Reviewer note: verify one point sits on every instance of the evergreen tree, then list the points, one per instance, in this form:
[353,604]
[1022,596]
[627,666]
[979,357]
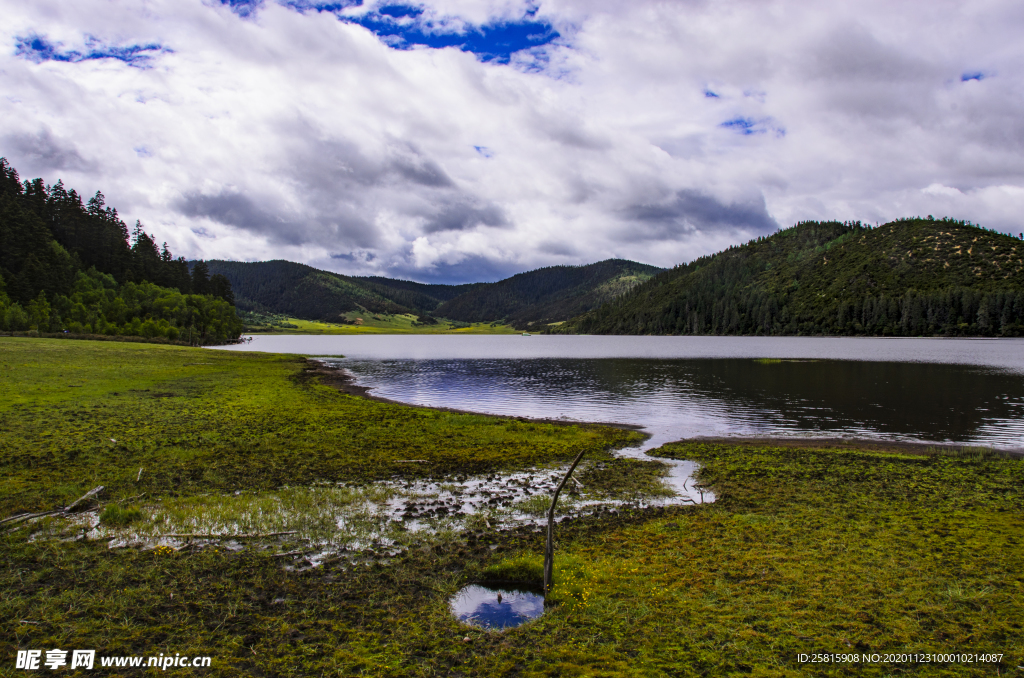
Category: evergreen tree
[200,278]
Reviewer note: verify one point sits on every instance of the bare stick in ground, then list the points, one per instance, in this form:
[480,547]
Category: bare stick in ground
[88,495]
[67,509]
[226,536]
[549,549]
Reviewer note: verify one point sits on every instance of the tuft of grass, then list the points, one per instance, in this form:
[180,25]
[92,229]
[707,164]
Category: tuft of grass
[520,569]
[537,505]
[120,516]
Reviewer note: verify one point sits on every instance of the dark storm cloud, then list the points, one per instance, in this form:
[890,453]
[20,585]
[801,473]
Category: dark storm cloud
[690,210]
[461,216]
[232,208]
[42,153]
[423,172]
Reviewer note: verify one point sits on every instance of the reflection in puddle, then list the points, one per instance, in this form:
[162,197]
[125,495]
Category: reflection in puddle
[496,608]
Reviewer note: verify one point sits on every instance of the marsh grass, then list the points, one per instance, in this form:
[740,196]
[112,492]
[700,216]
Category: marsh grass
[537,505]
[804,550]
[523,568]
[173,421]
[118,516]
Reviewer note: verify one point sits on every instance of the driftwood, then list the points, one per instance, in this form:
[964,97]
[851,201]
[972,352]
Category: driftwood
[549,550]
[225,536]
[88,495]
[27,516]
[291,553]
[67,509]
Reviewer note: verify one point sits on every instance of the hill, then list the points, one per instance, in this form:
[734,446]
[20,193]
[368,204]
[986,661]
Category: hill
[301,291]
[911,277]
[414,295]
[550,294]
[71,266]
[547,295]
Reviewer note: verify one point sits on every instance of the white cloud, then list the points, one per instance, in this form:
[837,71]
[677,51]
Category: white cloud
[296,135]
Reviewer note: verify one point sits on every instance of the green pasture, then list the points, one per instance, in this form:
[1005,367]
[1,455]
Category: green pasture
[805,550]
[78,414]
[379,323]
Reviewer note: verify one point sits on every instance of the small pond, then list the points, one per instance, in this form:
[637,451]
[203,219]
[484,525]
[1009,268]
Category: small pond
[496,607]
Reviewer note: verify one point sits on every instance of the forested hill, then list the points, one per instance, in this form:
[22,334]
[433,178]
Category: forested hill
[547,295]
[420,296]
[69,265]
[912,277]
[305,292]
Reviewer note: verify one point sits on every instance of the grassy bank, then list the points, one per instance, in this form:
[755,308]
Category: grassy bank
[805,550]
[79,414]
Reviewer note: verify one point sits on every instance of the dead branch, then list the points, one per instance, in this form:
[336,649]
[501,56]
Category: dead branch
[291,553]
[88,495]
[549,550]
[67,509]
[27,516]
[226,536]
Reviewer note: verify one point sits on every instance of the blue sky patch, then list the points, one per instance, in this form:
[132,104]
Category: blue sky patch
[484,151]
[310,5]
[711,95]
[749,126]
[243,7]
[742,125]
[400,11]
[38,49]
[403,27]
[976,75]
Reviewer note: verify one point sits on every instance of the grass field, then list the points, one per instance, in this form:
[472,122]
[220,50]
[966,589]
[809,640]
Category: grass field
[370,323]
[805,550]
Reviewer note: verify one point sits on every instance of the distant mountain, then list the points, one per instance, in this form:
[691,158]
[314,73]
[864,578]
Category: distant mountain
[414,295]
[910,277]
[547,295]
[300,291]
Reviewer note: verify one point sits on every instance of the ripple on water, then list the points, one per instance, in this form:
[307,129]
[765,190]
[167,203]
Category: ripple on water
[496,608]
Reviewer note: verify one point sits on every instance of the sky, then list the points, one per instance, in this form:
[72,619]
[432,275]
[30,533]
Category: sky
[469,140]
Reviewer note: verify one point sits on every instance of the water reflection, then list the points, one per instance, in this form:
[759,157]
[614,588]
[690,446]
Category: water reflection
[676,399]
[496,608]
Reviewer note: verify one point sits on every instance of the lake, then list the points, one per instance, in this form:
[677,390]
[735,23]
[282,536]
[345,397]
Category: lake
[964,391]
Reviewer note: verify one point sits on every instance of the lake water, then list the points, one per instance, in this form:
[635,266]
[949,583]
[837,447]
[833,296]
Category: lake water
[965,391]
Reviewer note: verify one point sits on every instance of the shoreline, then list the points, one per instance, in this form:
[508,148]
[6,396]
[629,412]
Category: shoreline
[344,381]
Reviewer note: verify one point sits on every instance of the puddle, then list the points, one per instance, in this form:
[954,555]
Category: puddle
[496,608]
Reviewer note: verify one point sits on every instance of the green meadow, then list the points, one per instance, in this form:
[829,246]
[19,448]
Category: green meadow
[805,550]
[372,323]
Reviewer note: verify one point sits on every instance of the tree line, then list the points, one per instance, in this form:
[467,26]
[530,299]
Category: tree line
[72,265]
